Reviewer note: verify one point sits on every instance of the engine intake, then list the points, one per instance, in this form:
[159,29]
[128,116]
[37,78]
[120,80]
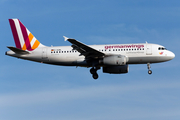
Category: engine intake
[116,69]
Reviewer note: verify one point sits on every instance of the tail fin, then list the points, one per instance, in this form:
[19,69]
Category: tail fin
[23,38]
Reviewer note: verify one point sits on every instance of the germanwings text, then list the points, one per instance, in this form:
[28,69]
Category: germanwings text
[123,46]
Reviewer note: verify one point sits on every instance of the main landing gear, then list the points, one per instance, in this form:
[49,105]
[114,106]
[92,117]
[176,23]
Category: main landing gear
[93,71]
[149,71]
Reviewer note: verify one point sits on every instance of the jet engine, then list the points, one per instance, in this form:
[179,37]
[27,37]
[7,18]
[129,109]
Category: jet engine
[115,60]
[116,69]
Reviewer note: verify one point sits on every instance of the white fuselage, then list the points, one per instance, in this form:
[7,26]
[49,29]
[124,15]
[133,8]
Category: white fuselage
[65,55]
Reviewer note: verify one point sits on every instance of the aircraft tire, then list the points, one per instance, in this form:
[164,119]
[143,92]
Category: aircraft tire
[149,72]
[95,76]
[93,71]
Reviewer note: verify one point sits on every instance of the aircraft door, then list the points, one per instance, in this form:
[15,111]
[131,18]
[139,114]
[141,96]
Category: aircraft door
[148,49]
[44,53]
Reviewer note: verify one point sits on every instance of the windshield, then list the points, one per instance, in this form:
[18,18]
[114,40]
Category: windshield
[162,48]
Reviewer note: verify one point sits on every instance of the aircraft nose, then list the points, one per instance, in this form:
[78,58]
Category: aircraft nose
[171,55]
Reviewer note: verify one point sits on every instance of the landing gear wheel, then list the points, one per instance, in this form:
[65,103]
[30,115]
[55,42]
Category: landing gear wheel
[95,76]
[149,72]
[93,71]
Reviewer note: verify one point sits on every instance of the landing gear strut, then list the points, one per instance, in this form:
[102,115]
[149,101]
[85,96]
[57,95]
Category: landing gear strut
[149,71]
[93,71]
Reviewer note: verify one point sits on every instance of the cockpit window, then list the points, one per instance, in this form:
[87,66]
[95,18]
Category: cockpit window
[162,48]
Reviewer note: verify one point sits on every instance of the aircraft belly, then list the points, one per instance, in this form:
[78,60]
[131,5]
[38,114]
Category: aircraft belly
[142,60]
[146,59]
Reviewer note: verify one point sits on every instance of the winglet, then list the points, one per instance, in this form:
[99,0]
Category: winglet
[65,38]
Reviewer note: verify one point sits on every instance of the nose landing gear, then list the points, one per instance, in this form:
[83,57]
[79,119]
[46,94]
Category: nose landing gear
[93,71]
[149,71]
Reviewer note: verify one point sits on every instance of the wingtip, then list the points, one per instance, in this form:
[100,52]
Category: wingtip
[65,38]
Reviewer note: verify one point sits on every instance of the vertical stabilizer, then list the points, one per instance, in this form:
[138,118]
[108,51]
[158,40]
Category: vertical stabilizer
[23,38]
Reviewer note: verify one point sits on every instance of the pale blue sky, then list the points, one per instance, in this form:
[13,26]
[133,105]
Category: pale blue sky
[34,91]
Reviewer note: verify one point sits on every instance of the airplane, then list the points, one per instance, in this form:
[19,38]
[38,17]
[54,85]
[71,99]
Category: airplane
[112,58]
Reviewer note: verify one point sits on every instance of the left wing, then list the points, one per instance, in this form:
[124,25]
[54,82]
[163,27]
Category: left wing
[85,50]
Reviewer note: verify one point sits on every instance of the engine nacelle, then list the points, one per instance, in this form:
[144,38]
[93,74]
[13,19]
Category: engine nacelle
[115,60]
[116,69]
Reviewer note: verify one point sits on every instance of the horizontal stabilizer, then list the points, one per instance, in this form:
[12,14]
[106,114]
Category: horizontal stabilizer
[17,50]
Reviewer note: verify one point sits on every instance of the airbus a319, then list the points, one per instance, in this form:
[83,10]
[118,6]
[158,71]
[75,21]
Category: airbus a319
[113,58]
